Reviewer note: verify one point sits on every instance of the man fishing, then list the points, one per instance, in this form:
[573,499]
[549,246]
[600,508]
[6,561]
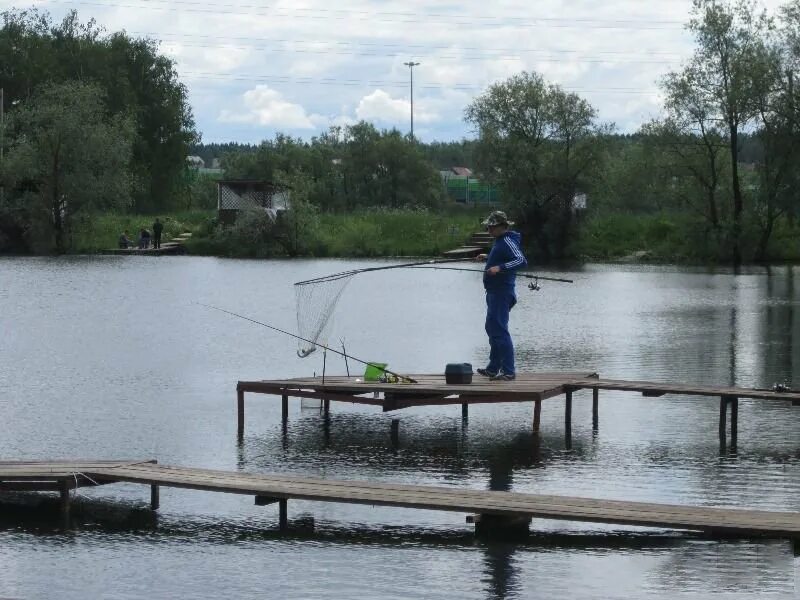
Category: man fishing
[499,278]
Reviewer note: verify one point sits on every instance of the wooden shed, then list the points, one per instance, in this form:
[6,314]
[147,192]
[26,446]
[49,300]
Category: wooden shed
[234,195]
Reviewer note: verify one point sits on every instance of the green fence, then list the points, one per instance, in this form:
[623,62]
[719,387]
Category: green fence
[471,190]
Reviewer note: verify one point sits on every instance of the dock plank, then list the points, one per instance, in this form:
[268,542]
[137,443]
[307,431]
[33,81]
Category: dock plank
[526,387]
[621,512]
[711,519]
[686,389]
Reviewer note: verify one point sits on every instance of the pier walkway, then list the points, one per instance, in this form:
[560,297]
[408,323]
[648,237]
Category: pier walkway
[527,387]
[497,510]
[174,246]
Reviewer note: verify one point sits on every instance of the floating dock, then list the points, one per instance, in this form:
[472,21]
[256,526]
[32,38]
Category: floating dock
[527,387]
[494,510]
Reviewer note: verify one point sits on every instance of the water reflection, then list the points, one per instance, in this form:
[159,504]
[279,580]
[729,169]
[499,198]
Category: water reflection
[501,575]
[154,376]
[431,447]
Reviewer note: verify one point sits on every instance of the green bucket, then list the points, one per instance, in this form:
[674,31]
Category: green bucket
[374,371]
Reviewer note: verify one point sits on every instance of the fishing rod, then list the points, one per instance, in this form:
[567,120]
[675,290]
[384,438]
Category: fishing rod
[344,274]
[405,378]
[542,277]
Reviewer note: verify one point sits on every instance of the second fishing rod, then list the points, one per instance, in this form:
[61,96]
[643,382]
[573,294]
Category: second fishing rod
[400,378]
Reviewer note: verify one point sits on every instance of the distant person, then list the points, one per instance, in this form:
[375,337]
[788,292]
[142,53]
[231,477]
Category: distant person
[144,239]
[499,278]
[125,241]
[158,227]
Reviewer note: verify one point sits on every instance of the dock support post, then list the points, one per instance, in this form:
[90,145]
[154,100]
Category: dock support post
[240,414]
[734,401]
[595,409]
[568,418]
[326,408]
[63,489]
[395,433]
[155,501]
[284,410]
[723,415]
[464,411]
[500,527]
[537,415]
[283,518]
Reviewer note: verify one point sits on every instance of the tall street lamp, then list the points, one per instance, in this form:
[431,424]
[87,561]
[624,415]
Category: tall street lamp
[411,66]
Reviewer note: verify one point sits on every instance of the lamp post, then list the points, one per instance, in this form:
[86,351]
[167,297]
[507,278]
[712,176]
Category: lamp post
[411,66]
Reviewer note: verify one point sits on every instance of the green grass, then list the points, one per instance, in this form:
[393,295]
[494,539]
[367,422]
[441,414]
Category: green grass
[367,233]
[393,233]
[664,237]
[675,238]
[102,231]
[380,232]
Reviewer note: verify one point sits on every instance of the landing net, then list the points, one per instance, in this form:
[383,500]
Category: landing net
[315,301]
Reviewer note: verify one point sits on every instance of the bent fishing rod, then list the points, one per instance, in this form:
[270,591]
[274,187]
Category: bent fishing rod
[528,275]
[405,378]
[343,274]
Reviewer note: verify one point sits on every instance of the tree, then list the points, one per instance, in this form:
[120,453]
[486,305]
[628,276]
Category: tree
[136,80]
[66,159]
[538,143]
[404,177]
[777,106]
[695,138]
[716,91]
[777,177]
[691,164]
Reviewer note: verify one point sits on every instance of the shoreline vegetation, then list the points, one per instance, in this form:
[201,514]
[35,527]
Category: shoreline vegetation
[713,178]
[397,233]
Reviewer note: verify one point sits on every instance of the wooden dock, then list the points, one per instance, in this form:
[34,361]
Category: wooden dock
[495,509]
[479,242]
[172,247]
[527,387]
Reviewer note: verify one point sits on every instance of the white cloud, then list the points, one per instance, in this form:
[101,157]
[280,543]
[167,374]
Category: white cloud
[303,65]
[381,107]
[266,106]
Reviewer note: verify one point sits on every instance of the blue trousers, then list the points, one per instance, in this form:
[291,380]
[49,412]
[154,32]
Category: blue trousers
[501,355]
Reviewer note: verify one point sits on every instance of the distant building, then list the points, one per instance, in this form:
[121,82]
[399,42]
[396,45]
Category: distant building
[195,162]
[462,171]
[579,201]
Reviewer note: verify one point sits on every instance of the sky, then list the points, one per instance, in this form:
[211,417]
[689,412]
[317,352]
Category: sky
[253,69]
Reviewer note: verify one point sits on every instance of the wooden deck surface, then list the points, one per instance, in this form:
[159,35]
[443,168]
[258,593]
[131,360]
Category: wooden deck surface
[728,521]
[526,387]
[656,388]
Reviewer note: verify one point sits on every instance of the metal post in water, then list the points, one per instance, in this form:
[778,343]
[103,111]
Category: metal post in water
[324,361]
[240,414]
[344,353]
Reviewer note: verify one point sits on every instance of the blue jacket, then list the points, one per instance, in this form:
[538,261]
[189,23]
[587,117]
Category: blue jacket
[507,254]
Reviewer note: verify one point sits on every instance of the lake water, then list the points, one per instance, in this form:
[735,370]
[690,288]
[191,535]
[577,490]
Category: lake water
[110,357]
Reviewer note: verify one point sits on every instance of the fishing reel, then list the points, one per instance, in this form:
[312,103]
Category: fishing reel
[534,285]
